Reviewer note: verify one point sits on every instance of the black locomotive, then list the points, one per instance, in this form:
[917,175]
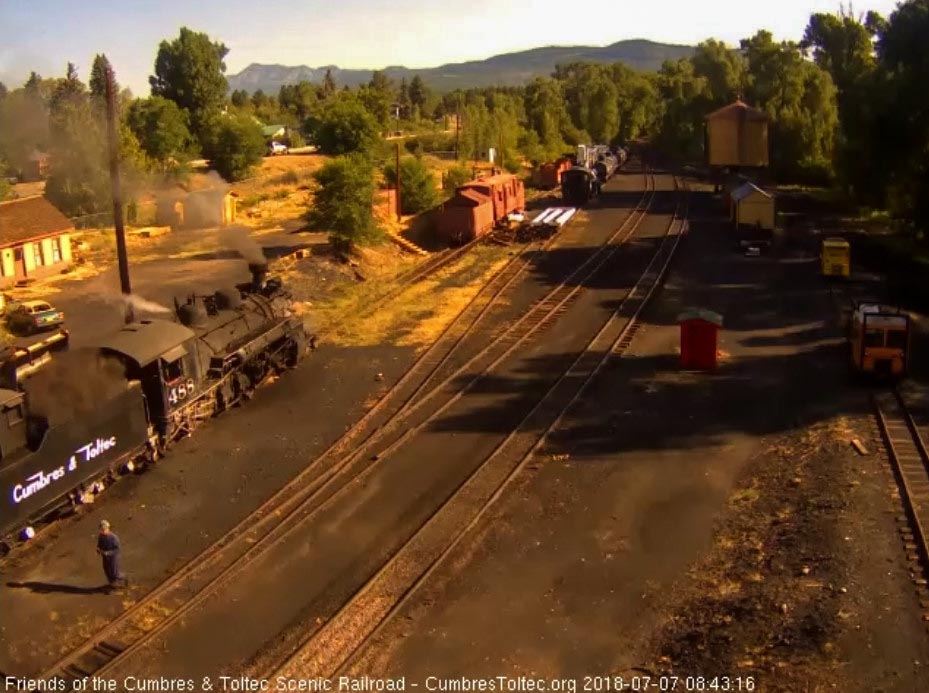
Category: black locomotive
[142,388]
[579,184]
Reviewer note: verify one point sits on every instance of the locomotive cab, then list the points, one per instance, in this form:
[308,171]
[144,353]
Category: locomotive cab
[162,356]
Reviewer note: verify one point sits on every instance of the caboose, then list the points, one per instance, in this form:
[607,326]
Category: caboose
[480,205]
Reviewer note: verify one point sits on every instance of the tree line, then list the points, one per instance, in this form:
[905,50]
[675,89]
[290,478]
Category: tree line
[847,103]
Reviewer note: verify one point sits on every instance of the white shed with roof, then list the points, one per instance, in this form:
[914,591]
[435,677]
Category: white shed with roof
[752,206]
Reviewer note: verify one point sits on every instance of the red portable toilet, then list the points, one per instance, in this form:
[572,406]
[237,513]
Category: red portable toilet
[699,338]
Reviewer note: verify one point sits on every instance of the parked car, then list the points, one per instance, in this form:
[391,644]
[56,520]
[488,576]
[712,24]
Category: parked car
[32,316]
[277,148]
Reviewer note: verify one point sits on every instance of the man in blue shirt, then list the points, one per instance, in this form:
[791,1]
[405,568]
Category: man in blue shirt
[108,547]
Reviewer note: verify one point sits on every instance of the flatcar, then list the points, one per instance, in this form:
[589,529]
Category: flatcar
[879,341]
[135,393]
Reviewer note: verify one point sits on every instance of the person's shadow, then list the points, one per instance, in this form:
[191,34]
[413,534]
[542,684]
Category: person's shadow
[49,587]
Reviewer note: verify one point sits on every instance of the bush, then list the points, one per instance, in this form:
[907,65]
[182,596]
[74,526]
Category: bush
[417,185]
[233,146]
[343,202]
[455,177]
[289,178]
[344,127]
[414,146]
[512,164]
[294,140]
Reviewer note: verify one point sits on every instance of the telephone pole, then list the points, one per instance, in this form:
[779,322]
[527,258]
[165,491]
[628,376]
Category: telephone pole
[457,128]
[399,213]
[113,144]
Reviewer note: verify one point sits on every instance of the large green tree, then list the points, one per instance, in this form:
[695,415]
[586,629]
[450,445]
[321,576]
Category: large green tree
[417,185]
[800,97]
[419,94]
[343,201]
[344,126]
[844,47]
[190,71]
[300,99]
[234,145]
[79,181]
[903,122]
[161,128]
[98,72]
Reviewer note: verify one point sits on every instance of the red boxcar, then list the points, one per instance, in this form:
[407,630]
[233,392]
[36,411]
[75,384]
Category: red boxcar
[477,206]
[550,173]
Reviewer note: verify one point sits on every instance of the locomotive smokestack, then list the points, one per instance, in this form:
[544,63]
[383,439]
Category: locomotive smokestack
[259,273]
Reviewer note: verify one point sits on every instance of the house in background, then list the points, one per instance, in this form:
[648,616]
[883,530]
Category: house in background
[35,240]
[273,132]
[198,209]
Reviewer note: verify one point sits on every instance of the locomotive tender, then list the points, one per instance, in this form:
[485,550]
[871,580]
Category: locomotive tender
[170,376]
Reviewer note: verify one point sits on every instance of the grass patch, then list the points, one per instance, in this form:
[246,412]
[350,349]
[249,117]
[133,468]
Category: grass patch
[418,315]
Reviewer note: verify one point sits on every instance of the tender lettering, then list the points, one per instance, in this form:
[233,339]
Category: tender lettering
[42,479]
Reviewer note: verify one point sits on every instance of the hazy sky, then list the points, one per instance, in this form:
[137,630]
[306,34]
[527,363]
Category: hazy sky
[43,35]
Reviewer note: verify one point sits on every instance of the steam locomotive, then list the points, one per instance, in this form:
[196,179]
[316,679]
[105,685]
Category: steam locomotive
[151,383]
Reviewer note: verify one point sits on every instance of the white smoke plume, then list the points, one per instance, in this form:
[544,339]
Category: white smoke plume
[237,238]
[143,305]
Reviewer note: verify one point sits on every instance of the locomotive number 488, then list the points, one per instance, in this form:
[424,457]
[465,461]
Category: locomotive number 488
[180,392]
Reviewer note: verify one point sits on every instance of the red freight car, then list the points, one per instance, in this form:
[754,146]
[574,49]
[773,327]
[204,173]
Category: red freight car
[467,215]
[479,205]
[550,173]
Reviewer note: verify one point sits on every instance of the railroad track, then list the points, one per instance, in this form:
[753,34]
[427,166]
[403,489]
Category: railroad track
[909,461]
[331,471]
[331,647]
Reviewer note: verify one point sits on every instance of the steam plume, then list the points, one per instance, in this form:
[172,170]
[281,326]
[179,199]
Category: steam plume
[236,238]
[74,383]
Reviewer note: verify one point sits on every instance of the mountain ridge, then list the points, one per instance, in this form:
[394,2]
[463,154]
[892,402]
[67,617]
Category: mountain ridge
[504,69]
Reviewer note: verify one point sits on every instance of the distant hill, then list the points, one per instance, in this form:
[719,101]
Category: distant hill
[509,69]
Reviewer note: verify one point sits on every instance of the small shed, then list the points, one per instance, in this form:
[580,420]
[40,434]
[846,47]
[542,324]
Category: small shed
[699,338]
[737,135]
[752,206]
[198,209]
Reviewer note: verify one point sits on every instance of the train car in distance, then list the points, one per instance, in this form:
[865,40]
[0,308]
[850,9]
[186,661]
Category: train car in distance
[479,206]
[549,174]
[879,341]
[578,185]
[835,257]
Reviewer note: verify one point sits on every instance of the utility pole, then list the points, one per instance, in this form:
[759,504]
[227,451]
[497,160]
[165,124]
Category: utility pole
[457,128]
[399,213]
[113,143]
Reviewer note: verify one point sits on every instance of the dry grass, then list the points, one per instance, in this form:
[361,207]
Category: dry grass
[416,316]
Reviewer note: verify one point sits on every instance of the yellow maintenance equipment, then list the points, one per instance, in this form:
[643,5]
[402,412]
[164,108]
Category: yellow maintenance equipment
[879,340]
[836,257]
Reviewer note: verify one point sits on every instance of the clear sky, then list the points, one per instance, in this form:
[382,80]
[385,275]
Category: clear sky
[43,35]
